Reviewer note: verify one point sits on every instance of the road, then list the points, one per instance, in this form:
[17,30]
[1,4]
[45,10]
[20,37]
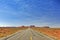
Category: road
[27,34]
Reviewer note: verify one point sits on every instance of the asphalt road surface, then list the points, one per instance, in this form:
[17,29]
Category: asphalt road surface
[27,34]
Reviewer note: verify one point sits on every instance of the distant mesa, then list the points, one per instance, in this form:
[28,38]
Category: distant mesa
[27,26]
[22,26]
[32,25]
[46,27]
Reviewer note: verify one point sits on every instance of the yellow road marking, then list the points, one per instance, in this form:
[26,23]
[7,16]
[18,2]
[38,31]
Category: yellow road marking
[30,37]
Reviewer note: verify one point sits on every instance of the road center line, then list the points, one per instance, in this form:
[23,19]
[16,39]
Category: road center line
[31,38]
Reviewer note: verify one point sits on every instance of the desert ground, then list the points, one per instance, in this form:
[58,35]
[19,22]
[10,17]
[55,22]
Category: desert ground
[29,33]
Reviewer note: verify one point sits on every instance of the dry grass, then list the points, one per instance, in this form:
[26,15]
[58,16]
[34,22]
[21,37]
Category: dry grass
[52,32]
[9,30]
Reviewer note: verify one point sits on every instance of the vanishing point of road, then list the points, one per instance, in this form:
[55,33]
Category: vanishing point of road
[27,34]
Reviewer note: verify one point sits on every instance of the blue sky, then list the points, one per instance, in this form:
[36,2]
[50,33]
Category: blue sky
[30,12]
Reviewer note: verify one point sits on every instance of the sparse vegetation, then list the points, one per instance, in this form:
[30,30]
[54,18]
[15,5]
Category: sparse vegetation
[5,31]
[52,32]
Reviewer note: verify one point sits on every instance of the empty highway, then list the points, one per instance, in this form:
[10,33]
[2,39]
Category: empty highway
[27,34]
